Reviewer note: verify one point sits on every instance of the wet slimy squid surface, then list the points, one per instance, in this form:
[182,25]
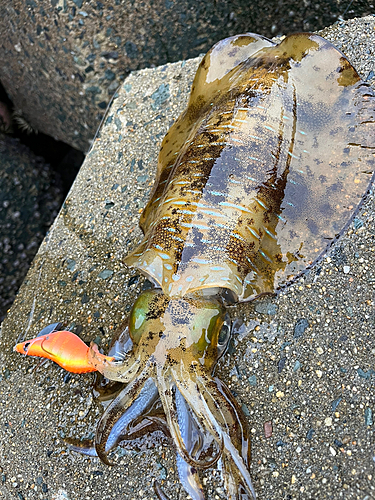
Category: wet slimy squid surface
[262,217]
[262,171]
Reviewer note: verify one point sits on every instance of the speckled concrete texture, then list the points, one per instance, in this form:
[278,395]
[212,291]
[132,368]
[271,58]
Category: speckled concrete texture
[30,197]
[62,60]
[301,364]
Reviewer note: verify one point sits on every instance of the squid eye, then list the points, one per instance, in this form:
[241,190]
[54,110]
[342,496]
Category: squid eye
[224,334]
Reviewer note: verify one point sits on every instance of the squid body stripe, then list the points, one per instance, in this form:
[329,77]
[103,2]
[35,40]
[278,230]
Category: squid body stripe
[200,261]
[190,225]
[239,237]
[265,256]
[252,179]
[232,260]
[261,203]
[254,233]
[201,205]
[217,193]
[273,236]
[215,214]
[292,155]
[233,205]
[184,211]
[269,128]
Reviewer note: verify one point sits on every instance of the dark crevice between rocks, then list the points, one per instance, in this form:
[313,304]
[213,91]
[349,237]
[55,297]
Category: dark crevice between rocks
[36,173]
[64,160]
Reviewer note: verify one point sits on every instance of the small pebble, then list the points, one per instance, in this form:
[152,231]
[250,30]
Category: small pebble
[368,416]
[268,429]
[296,366]
[346,269]
[328,421]
[335,403]
[253,380]
[310,434]
[300,327]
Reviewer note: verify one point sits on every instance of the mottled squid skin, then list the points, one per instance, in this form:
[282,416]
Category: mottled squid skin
[258,176]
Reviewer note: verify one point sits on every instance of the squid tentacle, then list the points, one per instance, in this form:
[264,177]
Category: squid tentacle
[159,492]
[238,427]
[105,390]
[167,399]
[221,399]
[233,484]
[190,434]
[117,408]
[114,370]
[85,447]
[120,428]
[221,417]
[145,399]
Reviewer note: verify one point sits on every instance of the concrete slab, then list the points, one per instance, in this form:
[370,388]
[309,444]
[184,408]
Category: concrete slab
[304,361]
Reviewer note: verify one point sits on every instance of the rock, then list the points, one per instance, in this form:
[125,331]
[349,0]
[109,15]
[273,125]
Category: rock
[299,328]
[29,201]
[62,60]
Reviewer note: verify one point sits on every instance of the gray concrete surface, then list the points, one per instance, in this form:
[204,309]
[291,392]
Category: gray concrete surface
[303,360]
[62,60]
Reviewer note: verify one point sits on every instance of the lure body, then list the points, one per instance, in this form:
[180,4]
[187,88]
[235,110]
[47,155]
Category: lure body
[62,347]
[257,177]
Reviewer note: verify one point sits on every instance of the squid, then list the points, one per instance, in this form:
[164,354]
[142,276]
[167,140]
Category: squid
[256,179]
